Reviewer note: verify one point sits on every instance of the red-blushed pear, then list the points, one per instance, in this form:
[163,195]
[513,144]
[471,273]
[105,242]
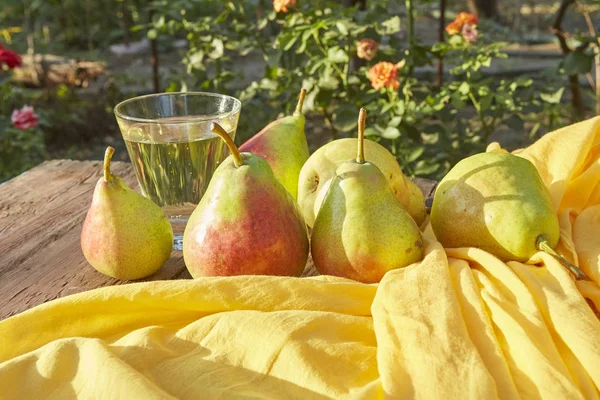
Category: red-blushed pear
[247,223]
[283,145]
[125,235]
[362,231]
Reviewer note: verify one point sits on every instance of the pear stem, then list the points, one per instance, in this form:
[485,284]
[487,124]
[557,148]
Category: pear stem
[107,157]
[298,110]
[362,118]
[219,131]
[542,244]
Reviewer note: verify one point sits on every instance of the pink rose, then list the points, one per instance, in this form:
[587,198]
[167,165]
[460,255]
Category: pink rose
[24,118]
[10,58]
[469,33]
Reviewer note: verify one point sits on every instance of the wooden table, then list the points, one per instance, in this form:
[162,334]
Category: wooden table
[41,215]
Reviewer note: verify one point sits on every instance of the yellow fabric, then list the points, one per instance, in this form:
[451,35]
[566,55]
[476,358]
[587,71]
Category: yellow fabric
[459,325]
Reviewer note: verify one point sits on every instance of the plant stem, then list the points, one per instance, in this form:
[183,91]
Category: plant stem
[441,28]
[596,85]
[362,118]
[329,123]
[235,153]
[542,245]
[298,110]
[107,157]
[480,115]
[411,32]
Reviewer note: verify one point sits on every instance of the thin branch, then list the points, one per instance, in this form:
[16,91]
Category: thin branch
[441,28]
[576,99]
[595,85]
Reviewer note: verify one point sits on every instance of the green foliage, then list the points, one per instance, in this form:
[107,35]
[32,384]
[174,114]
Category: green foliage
[19,149]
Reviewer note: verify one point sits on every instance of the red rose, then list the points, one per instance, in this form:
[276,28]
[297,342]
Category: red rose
[10,58]
[24,118]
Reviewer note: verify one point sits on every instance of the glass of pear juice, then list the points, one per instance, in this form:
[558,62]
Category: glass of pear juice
[172,150]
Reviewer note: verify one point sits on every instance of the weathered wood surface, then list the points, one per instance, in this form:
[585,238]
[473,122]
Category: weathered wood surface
[41,215]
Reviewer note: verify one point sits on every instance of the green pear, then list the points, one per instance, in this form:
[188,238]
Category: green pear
[362,230]
[497,202]
[125,235]
[246,223]
[321,167]
[283,145]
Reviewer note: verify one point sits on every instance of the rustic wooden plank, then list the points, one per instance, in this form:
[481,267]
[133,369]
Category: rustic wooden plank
[41,215]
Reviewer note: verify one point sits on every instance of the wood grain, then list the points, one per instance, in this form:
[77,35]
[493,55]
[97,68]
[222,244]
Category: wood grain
[41,215]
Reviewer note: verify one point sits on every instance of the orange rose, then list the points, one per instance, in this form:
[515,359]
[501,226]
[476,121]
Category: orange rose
[282,5]
[366,49]
[384,74]
[467,18]
[454,28]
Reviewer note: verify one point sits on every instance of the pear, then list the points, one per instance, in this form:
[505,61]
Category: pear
[320,168]
[283,145]
[416,202]
[246,223]
[125,235]
[497,202]
[362,230]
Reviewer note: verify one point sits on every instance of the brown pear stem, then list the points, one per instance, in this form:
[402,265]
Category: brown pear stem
[298,110]
[107,157]
[542,244]
[362,118]
[219,131]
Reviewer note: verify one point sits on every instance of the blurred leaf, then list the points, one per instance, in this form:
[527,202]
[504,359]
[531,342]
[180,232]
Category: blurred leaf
[337,55]
[415,154]
[217,52]
[553,98]
[577,62]
[390,26]
[345,118]
[390,133]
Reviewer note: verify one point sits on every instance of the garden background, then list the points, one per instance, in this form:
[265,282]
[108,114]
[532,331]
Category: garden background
[440,79]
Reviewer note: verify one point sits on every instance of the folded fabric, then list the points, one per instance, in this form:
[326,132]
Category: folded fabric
[461,324]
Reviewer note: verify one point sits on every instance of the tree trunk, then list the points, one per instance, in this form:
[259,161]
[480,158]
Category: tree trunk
[484,8]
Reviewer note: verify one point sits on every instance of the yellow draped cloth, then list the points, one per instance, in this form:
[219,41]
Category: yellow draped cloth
[459,325]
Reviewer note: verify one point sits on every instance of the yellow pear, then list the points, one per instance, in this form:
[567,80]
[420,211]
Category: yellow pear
[497,202]
[362,231]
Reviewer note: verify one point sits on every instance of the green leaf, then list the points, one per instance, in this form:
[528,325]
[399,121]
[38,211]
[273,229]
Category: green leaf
[342,28]
[415,154]
[218,50]
[390,26]
[553,98]
[577,62]
[337,55]
[152,34]
[464,88]
[395,121]
[390,133]
[422,168]
[345,118]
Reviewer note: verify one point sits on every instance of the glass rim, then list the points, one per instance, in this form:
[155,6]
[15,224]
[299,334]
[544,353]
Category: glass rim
[237,105]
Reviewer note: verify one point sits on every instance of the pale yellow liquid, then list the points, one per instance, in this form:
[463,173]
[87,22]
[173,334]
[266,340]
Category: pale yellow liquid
[175,162]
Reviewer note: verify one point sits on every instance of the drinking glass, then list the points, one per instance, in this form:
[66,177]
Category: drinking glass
[172,149]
